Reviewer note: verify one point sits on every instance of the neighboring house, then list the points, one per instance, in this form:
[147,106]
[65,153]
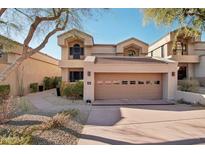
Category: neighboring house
[188,52]
[32,70]
[115,71]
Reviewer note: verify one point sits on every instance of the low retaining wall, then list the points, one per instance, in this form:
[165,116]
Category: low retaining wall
[190,97]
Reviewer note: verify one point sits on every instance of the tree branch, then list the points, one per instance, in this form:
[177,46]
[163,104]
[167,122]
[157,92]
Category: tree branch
[24,14]
[33,27]
[45,41]
[2,10]
[26,55]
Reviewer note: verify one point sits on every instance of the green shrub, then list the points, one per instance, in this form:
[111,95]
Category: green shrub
[4,91]
[12,137]
[189,85]
[68,90]
[34,87]
[51,82]
[47,82]
[78,88]
[57,81]
[74,90]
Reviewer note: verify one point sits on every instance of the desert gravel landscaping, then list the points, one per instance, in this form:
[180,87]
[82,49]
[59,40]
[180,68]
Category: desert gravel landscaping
[65,134]
[44,118]
[38,119]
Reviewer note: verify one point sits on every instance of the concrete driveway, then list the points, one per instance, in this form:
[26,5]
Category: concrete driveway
[147,124]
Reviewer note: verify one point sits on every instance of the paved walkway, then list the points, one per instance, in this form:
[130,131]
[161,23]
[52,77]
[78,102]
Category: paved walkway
[48,102]
[158,124]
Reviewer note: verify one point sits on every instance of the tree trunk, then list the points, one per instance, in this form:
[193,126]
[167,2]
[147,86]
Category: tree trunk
[25,53]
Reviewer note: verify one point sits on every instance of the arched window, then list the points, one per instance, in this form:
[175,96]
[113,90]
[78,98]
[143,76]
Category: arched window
[131,53]
[76,51]
[76,46]
[132,50]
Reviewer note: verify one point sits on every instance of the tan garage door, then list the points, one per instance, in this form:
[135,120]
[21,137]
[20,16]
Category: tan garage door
[128,86]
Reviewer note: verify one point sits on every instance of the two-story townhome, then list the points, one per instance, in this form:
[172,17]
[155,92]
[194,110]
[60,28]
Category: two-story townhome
[115,71]
[189,52]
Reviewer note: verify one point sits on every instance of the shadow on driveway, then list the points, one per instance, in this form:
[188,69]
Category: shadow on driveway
[193,141]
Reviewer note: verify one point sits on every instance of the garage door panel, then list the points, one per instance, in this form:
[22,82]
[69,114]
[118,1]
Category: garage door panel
[109,86]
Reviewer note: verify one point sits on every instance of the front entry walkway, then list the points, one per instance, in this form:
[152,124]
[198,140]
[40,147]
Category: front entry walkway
[147,124]
[48,102]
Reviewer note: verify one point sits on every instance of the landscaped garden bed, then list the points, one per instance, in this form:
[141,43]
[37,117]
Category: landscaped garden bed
[62,128]
[60,124]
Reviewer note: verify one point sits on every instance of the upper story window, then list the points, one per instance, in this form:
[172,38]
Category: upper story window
[133,53]
[76,51]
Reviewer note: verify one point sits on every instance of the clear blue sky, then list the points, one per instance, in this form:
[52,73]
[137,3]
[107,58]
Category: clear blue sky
[114,26]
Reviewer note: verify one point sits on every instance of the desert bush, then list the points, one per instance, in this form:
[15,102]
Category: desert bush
[68,90]
[189,85]
[34,87]
[5,102]
[74,90]
[11,137]
[63,85]
[4,92]
[79,88]
[23,105]
[72,113]
[56,121]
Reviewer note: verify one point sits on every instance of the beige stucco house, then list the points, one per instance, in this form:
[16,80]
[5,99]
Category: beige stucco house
[189,53]
[32,70]
[116,71]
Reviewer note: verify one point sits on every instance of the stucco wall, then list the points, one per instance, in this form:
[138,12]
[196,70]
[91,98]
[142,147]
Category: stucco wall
[200,67]
[160,42]
[120,46]
[156,49]
[72,35]
[191,97]
[171,81]
[31,71]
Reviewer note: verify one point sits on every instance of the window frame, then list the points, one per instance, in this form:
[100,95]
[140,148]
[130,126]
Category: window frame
[72,76]
[157,82]
[133,82]
[141,82]
[76,51]
[124,82]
